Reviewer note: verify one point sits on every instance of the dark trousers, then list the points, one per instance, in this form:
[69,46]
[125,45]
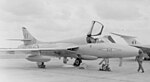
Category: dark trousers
[140,66]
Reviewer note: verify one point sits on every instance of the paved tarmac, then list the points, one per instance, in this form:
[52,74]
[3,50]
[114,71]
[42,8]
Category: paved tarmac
[17,69]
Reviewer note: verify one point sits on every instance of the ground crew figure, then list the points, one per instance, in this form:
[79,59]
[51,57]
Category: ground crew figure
[139,59]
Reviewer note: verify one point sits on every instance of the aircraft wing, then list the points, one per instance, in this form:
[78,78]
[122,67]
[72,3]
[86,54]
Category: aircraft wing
[37,49]
[61,50]
[145,47]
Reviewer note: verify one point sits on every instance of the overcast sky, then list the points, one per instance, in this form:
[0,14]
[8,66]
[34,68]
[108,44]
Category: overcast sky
[50,20]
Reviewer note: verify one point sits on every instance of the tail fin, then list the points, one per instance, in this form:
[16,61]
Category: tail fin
[129,39]
[28,38]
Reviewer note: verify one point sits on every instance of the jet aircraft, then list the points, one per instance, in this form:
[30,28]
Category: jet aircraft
[82,48]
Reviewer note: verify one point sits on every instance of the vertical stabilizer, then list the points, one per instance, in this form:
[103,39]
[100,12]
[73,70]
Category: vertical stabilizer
[129,39]
[28,38]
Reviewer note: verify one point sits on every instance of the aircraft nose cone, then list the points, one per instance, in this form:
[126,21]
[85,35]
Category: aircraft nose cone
[135,51]
[131,51]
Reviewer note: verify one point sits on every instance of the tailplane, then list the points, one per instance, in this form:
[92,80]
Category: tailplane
[129,39]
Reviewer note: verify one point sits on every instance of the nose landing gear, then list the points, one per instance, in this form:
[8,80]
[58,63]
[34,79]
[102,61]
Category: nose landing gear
[105,66]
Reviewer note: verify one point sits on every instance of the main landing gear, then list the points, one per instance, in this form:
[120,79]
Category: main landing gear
[77,62]
[41,65]
[65,60]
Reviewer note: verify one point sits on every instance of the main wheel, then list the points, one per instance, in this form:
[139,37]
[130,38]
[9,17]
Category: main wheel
[77,62]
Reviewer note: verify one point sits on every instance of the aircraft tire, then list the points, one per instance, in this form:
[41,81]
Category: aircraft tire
[41,65]
[77,62]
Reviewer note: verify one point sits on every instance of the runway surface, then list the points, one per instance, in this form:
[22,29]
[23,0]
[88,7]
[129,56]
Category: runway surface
[14,68]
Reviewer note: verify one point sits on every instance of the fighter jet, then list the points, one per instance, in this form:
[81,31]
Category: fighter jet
[133,42]
[82,48]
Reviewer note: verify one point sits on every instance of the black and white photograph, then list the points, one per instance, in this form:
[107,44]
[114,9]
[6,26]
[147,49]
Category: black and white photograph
[74,40]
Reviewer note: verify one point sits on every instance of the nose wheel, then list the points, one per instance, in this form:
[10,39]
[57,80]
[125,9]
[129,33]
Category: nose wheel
[77,62]
[41,65]
[105,68]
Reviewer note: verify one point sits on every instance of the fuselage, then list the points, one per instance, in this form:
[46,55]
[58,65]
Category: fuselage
[99,50]
[108,50]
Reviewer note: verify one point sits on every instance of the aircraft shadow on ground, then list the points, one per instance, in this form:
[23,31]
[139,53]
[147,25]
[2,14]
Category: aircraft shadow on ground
[34,67]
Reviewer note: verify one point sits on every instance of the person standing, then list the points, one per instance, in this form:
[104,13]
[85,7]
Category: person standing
[139,59]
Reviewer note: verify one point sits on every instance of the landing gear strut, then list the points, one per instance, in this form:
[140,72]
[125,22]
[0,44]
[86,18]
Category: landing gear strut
[41,65]
[77,62]
[65,60]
